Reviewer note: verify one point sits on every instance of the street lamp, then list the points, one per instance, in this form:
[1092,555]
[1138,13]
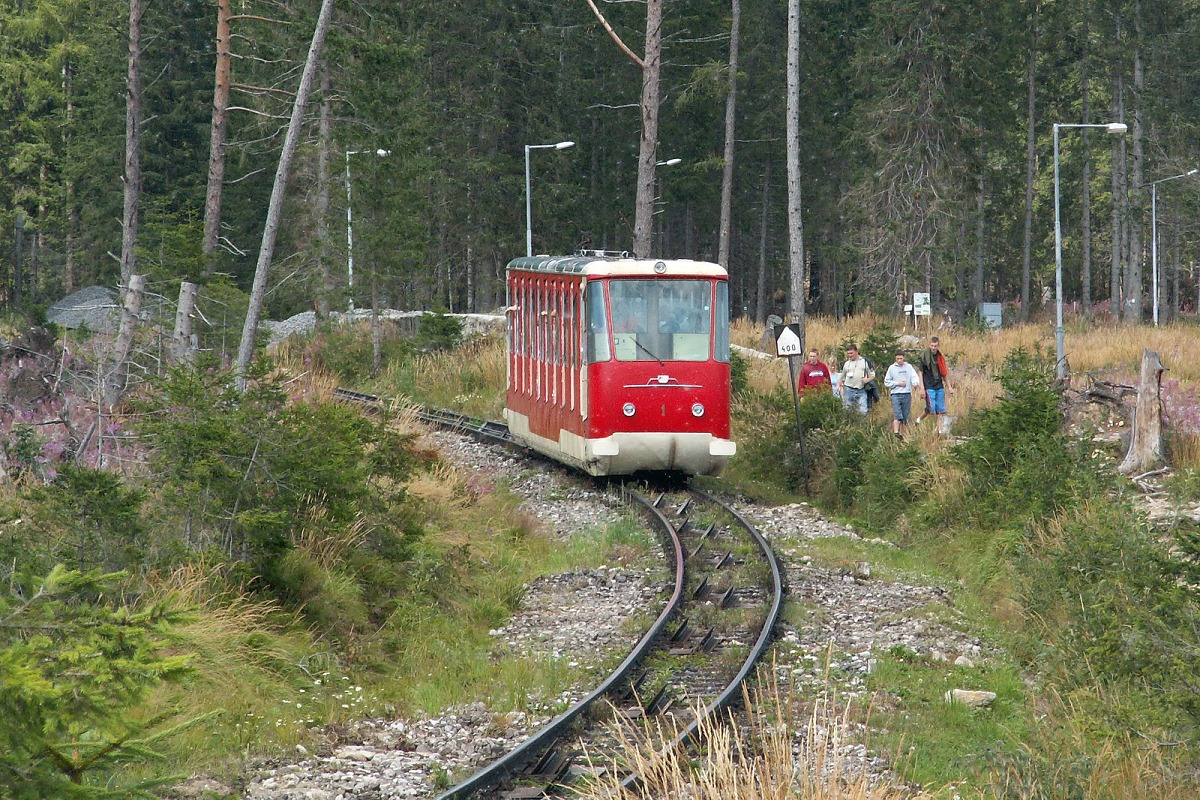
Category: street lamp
[1117,129]
[1154,234]
[350,227]
[528,205]
[660,200]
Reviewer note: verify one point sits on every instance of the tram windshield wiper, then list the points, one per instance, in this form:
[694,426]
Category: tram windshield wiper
[648,352]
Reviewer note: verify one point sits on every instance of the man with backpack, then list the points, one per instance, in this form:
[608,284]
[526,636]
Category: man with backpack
[935,377]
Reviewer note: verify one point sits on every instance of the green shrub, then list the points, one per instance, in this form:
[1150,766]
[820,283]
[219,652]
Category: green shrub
[1018,462]
[78,665]
[1111,612]
[249,472]
[439,331]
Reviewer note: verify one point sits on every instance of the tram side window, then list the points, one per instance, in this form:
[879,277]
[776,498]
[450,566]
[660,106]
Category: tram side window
[597,323]
[721,345]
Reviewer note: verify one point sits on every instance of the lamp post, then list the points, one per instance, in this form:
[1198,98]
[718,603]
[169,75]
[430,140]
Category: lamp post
[1154,234]
[528,204]
[1115,128]
[659,200]
[350,227]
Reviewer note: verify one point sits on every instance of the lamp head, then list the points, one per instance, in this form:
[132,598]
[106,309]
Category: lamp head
[382,152]
[1192,172]
[670,162]
[563,145]
[1117,128]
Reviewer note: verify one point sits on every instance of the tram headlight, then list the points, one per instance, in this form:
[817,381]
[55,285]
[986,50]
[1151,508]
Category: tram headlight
[697,409]
[628,409]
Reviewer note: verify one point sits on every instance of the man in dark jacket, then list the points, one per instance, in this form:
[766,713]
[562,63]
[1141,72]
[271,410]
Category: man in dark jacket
[935,377]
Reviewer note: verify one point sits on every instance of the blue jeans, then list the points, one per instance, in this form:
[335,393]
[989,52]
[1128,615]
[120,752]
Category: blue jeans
[855,397]
[937,400]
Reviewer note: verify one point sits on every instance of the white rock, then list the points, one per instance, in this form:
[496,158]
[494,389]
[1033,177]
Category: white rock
[970,697]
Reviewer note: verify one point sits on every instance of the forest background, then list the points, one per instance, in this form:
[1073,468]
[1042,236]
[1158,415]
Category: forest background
[925,139]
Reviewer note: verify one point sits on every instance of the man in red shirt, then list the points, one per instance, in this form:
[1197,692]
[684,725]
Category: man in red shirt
[813,373]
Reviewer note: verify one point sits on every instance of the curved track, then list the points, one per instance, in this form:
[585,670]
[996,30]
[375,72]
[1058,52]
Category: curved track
[704,644]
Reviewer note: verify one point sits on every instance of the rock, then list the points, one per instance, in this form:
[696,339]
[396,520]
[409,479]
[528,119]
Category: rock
[970,697]
[963,661]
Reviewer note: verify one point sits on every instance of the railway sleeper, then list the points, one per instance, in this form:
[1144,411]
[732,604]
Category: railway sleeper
[727,560]
[702,644]
[699,549]
[551,767]
[527,793]
[703,590]
[631,691]
[658,704]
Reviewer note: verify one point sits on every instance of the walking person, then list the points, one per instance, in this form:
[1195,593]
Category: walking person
[856,373]
[813,373]
[935,377]
[901,380]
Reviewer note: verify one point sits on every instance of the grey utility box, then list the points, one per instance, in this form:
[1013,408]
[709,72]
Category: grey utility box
[992,314]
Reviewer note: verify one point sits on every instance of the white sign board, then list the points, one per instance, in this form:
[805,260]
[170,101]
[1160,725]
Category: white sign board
[921,306]
[787,340]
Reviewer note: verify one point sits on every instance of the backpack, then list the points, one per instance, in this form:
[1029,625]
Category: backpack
[871,387]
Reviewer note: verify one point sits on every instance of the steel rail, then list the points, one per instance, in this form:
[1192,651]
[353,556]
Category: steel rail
[533,746]
[523,754]
[733,689]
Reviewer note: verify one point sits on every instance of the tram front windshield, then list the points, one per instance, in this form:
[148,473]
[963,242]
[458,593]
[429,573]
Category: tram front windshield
[665,320]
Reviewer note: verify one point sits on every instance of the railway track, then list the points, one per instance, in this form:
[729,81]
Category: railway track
[690,664]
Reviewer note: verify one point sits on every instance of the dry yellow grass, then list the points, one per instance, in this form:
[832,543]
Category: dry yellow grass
[779,755]
[1105,351]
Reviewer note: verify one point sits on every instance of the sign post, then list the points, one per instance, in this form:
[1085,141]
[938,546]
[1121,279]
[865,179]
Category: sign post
[789,343]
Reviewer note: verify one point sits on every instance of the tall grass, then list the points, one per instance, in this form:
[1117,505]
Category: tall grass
[470,379]
[781,753]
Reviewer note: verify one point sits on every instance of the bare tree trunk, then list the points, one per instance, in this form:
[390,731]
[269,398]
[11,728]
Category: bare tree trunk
[219,131]
[69,267]
[376,327]
[730,120]
[183,349]
[18,258]
[1086,196]
[643,219]
[1030,164]
[118,376]
[326,287]
[1173,312]
[1133,283]
[133,146]
[1145,437]
[980,228]
[278,191]
[760,304]
[1118,190]
[795,216]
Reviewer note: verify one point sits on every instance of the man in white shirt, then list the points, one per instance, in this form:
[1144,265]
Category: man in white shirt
[901,380]
[855,376]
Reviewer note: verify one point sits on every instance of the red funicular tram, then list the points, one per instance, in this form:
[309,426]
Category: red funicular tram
[619,365]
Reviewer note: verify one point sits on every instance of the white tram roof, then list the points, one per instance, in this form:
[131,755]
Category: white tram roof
[617,265]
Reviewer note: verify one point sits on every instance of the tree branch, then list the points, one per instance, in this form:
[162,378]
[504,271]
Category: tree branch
[613,35]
